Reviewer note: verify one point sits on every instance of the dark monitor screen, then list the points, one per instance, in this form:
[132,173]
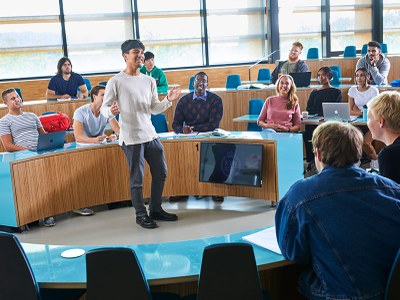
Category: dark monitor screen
[231,163]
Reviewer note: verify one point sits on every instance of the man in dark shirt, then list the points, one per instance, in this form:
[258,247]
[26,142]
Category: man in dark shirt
[66,83]
[383,121]
[199,111]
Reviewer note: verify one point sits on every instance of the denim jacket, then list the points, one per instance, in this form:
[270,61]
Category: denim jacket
[345,224]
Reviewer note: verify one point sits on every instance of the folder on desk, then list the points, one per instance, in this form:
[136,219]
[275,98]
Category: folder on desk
[265,238]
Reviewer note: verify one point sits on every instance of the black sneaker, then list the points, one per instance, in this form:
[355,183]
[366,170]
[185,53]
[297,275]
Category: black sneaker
[218,198]
[162,215]
[146,222]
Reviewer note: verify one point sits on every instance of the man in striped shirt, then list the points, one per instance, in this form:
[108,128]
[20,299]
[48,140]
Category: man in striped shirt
[18,130]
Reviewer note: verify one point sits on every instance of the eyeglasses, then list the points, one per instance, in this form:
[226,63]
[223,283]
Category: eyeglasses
[201,81]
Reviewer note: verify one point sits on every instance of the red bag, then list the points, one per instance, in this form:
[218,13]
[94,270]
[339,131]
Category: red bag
[55,122]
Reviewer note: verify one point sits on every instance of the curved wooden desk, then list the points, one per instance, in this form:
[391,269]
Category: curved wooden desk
[62,180]
[171,266]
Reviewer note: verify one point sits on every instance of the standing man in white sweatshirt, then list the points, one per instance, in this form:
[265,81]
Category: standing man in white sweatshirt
[134,96]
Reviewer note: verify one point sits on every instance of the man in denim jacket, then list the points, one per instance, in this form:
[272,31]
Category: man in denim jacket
[344,223]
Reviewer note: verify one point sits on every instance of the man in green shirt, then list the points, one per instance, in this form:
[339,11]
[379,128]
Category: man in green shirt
[151,70]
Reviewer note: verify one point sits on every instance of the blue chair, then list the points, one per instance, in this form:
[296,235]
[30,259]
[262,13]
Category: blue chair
[393,286]
[313,53]
[264,75]
[103,83]
[255,106]
[17,279]
[350,51]
[364,49]
[233,81]
[384,48]
[49,113]
[88,84]
[335,80]
[115,273]
[191,82]
[337,69]
[18,90]
[160,123]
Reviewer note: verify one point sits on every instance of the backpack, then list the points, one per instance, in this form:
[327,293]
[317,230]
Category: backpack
[55,122]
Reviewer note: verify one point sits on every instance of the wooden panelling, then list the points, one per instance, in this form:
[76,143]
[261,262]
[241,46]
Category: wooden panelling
[60,182]
[36,89]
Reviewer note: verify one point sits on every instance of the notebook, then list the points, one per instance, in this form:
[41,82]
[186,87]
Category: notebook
[301,79]
[51,140]
[339,111]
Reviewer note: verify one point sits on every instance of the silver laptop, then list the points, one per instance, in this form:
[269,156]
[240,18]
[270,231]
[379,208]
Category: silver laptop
[339,111]
[50,141]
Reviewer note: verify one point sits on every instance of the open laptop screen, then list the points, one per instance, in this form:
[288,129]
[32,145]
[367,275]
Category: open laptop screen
[301,79]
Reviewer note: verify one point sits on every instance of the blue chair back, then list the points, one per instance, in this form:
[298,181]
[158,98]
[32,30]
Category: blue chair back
[393,283]
[17,279]
[233,81]
[337,69]
[313,53]
[264,75]
[384,48]
[255,106]
[103,83]
[88,84]
[364,49]
[350,51]
[159,122]
[18,90]
[191,82]
[335,80]
[49,113]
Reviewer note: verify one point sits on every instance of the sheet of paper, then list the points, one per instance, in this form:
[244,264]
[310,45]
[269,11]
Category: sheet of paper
[265,238]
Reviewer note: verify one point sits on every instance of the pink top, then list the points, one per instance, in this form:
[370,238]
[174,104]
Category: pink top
[274,111]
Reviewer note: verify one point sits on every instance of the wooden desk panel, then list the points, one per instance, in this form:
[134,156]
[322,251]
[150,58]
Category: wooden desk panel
[60,182]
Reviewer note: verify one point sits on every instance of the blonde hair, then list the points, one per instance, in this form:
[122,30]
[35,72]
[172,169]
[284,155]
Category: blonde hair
[387,106]
[292,97]
[339,143]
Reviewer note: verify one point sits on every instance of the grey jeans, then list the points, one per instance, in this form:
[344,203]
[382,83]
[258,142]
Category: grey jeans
[153,153]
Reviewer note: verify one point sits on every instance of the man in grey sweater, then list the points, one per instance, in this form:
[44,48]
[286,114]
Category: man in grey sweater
[378,65]
[134,96]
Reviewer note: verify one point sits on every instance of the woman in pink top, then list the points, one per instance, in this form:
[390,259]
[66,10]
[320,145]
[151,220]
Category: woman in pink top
[282,112]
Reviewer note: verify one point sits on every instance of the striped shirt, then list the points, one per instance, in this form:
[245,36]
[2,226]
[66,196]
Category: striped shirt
[23,129]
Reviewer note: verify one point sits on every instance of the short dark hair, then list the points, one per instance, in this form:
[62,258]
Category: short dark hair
[95,91]
[201,73]
[6,92]
[148,55]
[327,71]
[131,44]
[374,44]
[340,143]
[60,64]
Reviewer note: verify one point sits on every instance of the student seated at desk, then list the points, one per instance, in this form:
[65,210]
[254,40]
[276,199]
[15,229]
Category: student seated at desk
[325,93]
[343,224]
[65,83]
[292,65]
[359,96]
[383,121]
[200,111]
[89,123]
[281,113]
[20,130]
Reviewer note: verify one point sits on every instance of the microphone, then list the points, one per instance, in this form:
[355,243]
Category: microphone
[262,59]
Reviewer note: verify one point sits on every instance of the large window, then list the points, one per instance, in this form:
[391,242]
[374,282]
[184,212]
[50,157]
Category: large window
[237,27]
[351,23]
[299,21]
[30,38]
[391,28]
[172,30]
[94,33]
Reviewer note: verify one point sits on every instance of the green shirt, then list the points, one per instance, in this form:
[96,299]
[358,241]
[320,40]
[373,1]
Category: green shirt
[159,76]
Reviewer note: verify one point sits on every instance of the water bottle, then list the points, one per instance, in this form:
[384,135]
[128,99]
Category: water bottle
[365,113]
